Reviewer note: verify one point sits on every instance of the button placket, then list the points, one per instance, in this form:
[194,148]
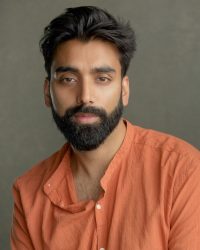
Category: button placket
[99,213]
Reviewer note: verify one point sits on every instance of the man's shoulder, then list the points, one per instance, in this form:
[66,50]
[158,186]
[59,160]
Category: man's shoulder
[163,142]
[39,173]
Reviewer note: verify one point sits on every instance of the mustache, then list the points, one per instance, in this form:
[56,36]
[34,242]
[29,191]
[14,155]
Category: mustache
[85,109]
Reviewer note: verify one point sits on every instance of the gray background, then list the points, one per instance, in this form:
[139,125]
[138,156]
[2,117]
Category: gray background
[165,79]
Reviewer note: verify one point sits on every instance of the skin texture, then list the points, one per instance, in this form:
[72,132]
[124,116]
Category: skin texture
[92,77]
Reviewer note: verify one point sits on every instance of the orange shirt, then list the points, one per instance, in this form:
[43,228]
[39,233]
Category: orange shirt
[151,200]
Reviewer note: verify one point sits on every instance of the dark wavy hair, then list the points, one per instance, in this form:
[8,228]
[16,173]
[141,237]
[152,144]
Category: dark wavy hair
[86,23]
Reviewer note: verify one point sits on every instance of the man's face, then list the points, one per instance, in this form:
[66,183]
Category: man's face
[86,91]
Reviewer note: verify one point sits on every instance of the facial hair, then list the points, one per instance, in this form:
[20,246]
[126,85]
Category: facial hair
[86,137]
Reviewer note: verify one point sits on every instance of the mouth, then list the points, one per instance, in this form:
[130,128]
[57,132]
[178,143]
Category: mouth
[85,118]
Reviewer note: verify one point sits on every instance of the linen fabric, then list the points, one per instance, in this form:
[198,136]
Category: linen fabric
[150,200]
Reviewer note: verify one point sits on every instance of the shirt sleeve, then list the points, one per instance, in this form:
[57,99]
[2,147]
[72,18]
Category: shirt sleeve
[20,239]
[185,211]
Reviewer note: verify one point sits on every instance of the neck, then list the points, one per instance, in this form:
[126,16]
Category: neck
[92,164]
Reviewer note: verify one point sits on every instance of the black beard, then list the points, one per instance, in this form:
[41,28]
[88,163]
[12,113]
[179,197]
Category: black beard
[85,137]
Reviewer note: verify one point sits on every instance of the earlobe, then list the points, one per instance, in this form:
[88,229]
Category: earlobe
[125,90]
[47,97]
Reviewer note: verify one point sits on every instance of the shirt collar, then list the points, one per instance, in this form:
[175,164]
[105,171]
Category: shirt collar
[62,176]
[120,155]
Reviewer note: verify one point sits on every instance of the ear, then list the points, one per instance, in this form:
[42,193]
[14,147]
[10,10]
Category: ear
[47,96]
[125,90]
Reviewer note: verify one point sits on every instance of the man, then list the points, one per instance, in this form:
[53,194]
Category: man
[113,185]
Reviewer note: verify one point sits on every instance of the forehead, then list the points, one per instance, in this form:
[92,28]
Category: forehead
[85,55]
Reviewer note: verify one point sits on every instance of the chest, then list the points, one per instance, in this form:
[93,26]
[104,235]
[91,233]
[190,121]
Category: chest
[86,189]
[122,221]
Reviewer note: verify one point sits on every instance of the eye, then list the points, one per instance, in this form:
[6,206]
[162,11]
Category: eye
[103,79]
[67,80]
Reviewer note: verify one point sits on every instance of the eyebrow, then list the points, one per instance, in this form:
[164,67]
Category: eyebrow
[66,69]
[102,69]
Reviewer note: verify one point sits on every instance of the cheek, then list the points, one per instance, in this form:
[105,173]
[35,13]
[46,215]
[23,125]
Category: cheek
[61,100]
[110,97]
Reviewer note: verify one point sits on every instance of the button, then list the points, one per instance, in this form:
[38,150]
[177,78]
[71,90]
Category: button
[98,206]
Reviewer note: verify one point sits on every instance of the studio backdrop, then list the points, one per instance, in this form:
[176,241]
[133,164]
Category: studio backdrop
[164,79]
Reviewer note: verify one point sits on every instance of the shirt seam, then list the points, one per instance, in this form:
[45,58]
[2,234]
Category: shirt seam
[187,154]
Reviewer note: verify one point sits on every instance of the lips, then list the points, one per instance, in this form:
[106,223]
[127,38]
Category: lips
[79,114]
[85,117]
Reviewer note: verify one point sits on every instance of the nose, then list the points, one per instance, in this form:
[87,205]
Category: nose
[85,95]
